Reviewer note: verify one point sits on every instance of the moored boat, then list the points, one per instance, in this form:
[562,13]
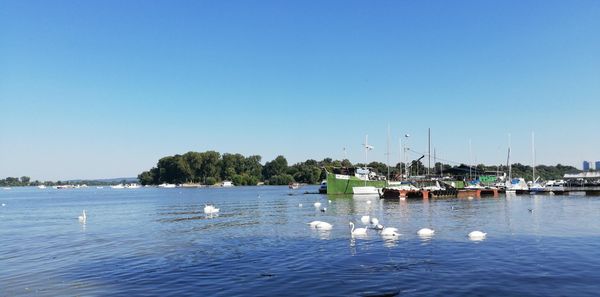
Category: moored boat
[323,187]
[344,180]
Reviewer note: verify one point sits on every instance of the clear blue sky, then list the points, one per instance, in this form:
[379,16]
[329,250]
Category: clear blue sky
[92,89]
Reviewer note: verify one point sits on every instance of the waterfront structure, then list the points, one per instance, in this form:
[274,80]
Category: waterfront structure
[586,166]
[597,167]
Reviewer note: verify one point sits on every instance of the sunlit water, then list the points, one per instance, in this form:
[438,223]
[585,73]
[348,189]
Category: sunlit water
[159,242]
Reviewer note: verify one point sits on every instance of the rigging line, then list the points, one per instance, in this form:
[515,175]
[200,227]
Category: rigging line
[445,160]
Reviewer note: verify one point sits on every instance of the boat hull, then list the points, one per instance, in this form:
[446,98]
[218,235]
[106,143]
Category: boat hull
[343,184]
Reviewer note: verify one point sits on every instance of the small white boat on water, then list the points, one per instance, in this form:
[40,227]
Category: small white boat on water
[323,187]
[119,186]
[41,187]
[226,184]
[165,185]
[132,186]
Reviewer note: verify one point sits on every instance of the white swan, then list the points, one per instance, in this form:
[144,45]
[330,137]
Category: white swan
[365,219]
[83,217]
[357,231]
[374,221]
[477,235]
[317,204]
[314,224]
[210,209]
[300,205]
[324,226]
[390,231]
[425,232]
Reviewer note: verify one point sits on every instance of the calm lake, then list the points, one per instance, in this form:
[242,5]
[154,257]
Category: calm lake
[159,242]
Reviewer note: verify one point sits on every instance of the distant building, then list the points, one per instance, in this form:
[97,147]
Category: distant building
[597,167]
[586,166]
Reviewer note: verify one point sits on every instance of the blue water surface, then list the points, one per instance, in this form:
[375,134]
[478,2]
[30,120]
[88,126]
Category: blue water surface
[159,242]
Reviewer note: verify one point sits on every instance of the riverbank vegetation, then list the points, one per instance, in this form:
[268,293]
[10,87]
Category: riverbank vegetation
[211,167]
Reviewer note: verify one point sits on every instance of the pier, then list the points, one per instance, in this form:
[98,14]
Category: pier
[390,193]
[425,194]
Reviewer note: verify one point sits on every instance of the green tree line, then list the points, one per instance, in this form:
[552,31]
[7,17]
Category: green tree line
[25,181]
[211,167]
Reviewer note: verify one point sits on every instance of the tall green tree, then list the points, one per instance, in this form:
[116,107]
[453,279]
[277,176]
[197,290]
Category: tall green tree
[276,167]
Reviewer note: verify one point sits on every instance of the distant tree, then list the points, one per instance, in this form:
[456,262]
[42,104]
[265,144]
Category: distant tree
[194,161]
[146,178]
[282,179]
[210,166]
[25,180]
[276,167]
[346,163]
[379,167]
[307,172]
[174,169]
[210,181]
[253,168]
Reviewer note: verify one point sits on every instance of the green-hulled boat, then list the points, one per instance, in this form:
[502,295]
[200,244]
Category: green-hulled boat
[341,181]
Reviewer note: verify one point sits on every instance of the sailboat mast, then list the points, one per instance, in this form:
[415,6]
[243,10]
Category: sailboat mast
[508,160]
[366,148]
[470,159]
[533,155]
[434,161]
[428,150]
[388,152]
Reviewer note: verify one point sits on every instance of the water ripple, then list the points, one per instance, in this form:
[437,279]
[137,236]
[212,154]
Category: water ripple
[160,243]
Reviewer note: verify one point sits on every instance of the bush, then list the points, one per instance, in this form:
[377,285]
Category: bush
[281,179]
[210,181]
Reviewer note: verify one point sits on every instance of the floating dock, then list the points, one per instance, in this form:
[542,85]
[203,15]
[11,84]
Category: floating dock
[391,193]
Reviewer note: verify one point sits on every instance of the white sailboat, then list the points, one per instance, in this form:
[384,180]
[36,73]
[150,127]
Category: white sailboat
[514,184]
